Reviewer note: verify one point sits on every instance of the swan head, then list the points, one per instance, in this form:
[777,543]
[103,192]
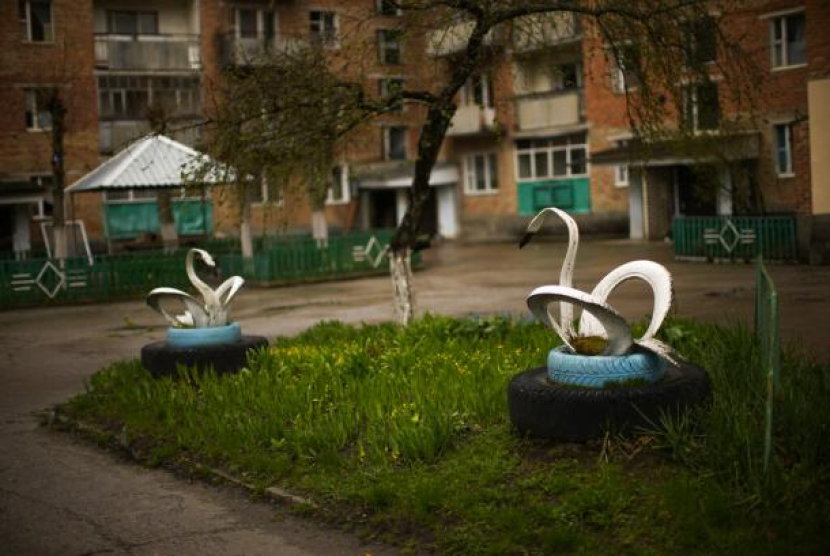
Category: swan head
[536,224]
[205,256]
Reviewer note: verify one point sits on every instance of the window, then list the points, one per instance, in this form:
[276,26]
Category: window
[626,73]
[481,173]
[255,24]
[389,46]
[788,41]
[388,87]
[36,20]
[388,8]
[621,175]
[701,110]
[394,143]
[339,191]
[324,28]
[783,150]
[133,23]
[478,91]
[701,38]
[556,157]
[126,97]
[38,116]
[133,195]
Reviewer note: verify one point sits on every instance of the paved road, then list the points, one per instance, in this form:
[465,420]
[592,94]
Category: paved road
[64,498]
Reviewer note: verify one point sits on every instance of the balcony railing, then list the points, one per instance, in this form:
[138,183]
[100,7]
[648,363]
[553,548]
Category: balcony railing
[550,109]
[452,39]
[533,32]
[241,51]
[471,119]
[115,135]
[147,52]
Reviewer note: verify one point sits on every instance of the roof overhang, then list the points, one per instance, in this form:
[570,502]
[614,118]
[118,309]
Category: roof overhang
[398,175]
[710,148]
[154,162]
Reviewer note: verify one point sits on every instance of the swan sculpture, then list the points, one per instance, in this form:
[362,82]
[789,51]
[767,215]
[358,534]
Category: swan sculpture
[211,311]
[598,317]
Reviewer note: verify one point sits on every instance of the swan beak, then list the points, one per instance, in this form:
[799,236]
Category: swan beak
[526,239]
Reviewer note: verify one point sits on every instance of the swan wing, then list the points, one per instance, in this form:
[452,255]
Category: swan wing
[653,274]
[612,324]
[228,289]
[194,314]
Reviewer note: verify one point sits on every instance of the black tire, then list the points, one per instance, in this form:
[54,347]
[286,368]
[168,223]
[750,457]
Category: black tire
[162,359]
[540,408]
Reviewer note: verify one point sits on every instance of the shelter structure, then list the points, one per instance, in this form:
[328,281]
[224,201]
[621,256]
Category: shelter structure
[137,180]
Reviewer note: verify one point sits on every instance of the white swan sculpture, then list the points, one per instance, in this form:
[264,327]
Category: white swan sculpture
[212,311]
[598,318]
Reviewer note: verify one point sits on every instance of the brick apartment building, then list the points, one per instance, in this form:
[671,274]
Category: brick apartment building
[524,137]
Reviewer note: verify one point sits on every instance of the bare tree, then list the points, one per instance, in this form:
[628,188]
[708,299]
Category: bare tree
[300,106]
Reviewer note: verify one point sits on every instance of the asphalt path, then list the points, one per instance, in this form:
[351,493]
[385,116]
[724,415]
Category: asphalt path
[62,497]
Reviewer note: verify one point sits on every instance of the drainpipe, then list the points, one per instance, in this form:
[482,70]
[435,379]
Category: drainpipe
[646,216]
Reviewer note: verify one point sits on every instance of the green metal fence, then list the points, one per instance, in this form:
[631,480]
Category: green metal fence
[109,277]
[767,330]
[735,237]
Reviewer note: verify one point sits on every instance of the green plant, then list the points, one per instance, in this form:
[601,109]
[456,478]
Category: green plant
[404,431]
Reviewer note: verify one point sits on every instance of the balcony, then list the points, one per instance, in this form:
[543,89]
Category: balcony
[450,40]
[534,32]
[241,51]
[147,52]
[549,109]
[471,119]
[115,135]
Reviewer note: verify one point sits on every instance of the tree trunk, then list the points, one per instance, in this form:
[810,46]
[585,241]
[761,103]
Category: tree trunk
[58,113]
[319,227]
[169,236]
[400,269]
[245,239]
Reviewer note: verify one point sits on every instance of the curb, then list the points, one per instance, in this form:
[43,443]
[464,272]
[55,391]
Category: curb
[278,495]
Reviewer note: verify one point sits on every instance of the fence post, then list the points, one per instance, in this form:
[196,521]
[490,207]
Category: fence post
[767,330]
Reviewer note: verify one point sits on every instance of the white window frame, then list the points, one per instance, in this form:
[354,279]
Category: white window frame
[491,173]
[26,21]
[343,186]
[260,23]
[384,90]
[379,7]
[776,20]
[330,38]
[136,195]
[549,151]
[691,102]
[619,81]
[488,97]
[386,44]
[387,142]
[621,172]
[787,148]
[31,104]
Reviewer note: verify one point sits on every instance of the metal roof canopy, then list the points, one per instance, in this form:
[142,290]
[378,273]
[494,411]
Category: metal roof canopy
[154,162]
[665,153]
[399,175]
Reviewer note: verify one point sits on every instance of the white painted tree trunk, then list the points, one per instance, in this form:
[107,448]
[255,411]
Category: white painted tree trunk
[400,269]
[169,236]
[59,237]
[319,227]
[246,240]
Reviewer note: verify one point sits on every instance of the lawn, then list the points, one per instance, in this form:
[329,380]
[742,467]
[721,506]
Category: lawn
[403,434]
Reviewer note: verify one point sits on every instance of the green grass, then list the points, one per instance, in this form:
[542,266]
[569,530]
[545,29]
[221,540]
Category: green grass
[404,433]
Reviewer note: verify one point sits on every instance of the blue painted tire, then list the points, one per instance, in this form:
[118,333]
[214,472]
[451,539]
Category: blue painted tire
[198,337]
[599,371]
